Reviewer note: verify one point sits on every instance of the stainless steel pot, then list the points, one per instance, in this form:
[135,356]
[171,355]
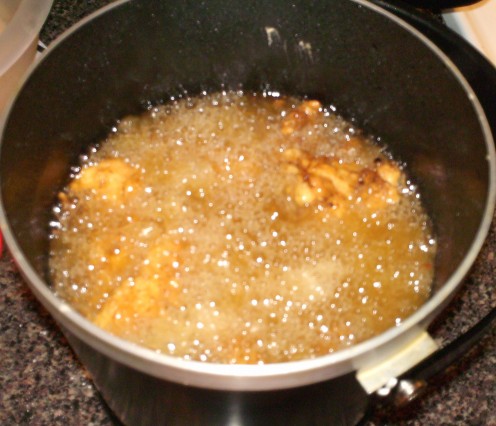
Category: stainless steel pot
[375,67]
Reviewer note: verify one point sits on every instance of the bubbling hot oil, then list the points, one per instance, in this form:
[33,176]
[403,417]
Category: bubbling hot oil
[235,228]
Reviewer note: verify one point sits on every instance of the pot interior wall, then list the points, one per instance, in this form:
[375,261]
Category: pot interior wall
[388,82]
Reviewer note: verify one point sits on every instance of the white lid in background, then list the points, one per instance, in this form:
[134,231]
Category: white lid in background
[477,24]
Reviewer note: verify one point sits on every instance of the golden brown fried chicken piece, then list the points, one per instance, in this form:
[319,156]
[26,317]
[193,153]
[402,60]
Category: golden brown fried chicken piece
[376,192]
[110,179]
[335,184]
[300,117]
[141,297]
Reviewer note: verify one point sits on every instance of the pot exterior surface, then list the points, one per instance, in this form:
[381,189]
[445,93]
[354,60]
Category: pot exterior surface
[350,54]
[144,400]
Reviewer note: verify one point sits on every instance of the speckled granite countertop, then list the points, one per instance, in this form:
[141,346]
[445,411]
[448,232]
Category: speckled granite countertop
[42,383]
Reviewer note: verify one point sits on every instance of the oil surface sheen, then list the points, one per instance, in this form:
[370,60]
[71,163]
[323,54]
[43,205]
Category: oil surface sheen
[237,228]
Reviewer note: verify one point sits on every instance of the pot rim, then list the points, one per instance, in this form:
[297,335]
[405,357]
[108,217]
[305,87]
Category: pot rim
[276,375]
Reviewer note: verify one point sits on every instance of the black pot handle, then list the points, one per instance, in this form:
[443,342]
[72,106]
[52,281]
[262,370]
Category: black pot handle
[436,5]
[414,382]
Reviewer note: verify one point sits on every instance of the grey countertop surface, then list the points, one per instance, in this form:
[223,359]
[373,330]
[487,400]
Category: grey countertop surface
[42,382]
